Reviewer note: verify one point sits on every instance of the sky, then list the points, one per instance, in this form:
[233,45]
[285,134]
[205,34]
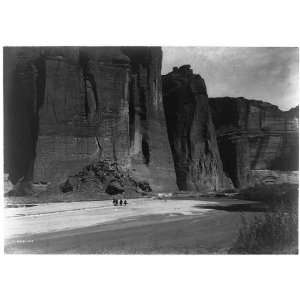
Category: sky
[268,74]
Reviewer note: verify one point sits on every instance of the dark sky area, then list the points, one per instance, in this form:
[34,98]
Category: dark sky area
[268,74]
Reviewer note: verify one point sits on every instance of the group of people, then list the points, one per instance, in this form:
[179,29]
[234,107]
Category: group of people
[120,202]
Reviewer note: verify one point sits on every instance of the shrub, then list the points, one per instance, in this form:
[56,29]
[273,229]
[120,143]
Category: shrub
[276,197]
[277,230]
[272,233]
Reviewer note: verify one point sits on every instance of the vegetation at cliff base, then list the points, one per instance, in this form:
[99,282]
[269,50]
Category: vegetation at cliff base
[277,230]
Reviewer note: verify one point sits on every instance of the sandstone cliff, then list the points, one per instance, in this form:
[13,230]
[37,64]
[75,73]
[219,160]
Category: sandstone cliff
[150,153]
[23,95]
[191,132]
[67,107]
[254,136]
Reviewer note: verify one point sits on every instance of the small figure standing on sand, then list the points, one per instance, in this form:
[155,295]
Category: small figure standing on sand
[121,202]
[125,202]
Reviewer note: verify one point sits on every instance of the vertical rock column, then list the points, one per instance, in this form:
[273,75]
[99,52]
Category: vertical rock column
[150,153]
[191,132]
[23,96]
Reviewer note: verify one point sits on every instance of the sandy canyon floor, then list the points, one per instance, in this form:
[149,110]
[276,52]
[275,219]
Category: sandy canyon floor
[144,226]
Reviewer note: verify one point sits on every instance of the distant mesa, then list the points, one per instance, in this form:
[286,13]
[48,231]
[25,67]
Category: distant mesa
[255,135]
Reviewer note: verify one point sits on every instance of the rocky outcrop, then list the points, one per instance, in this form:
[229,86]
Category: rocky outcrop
[255,136]
[191,132]
[105,176]
[68,107]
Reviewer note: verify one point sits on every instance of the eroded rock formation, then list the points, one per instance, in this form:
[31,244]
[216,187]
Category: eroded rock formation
[67,107]
[150,153]
[253,137]
[191,132]
[24,83]
[105,176]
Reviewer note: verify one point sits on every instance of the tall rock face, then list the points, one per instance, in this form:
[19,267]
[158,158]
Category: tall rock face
[23,95]
[191,132]
[150,153]
[255,136]
[66,107]
[85,115]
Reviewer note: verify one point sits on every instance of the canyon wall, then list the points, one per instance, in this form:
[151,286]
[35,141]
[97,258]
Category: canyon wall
[255,136]
[23,95]
[66,107]
[150,152]
[191,132]
[69,107]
